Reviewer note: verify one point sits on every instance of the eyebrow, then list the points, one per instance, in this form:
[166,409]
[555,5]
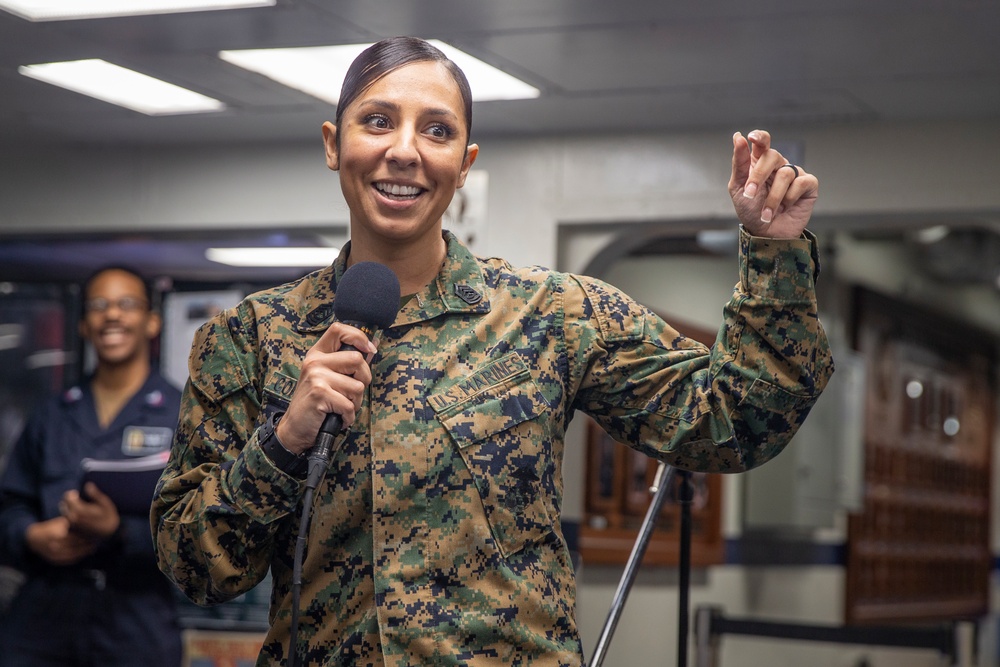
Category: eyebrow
[392,106]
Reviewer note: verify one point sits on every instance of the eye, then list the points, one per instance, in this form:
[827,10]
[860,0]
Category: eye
[377,121]
[441,131]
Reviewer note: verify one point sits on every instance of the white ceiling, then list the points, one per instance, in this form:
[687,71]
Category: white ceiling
[602,65]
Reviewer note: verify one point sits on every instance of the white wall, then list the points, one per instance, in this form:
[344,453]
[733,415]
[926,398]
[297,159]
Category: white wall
[536,184]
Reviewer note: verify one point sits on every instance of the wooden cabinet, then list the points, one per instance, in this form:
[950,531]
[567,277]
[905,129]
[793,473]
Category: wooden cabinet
[919,549]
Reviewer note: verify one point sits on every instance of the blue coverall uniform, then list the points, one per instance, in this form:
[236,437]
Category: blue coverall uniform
[114,608]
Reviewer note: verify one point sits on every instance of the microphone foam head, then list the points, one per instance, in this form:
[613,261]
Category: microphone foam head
[368,292]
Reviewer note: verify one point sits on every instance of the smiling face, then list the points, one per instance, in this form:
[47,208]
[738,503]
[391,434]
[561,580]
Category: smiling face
[117,320]
[401,152]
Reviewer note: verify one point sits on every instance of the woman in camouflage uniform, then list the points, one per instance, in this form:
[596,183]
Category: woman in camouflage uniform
[435,535]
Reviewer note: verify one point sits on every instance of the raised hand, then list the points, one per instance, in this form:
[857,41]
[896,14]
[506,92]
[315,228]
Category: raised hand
[772,197]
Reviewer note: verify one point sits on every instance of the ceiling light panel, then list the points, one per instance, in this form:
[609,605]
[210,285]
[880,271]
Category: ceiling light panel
[289,256]
[61,10]
[121,86]
[319,70]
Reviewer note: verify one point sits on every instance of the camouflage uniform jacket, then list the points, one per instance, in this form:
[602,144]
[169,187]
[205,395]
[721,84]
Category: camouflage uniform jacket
[435,537]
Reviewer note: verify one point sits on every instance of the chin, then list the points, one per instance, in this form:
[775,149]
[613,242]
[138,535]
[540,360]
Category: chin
[405,230]
[116,359]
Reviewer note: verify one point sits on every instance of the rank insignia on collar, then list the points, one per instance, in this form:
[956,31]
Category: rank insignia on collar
[72,395]
[320,314]
[467,294]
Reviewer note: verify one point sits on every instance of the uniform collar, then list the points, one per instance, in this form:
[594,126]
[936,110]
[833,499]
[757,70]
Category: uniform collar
[459,287]
[78,401]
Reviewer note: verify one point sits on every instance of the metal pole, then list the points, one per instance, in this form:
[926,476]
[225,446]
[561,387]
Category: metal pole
[684,566]
[706,639]
[661,484]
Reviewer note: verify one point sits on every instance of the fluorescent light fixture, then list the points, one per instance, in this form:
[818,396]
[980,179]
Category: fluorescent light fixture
[320,70]
[487,82]
[60,10]
[274,257]
[124,87]
[931,235]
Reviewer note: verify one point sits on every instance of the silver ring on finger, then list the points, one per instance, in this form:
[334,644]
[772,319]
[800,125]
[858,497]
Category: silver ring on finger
[792,167]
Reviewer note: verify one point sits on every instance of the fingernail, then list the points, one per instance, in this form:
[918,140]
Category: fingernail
[750,190]
[766,215]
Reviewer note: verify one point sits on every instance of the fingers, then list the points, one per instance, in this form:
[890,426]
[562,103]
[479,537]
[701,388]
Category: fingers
[763,161]
[741,164]
[340,334]
[771,197]
[96,516]
[760,142]
[54,541]
[789,184]
[335,376]
[753,162]
[99,501]
[333,380]
[778,193]
[70,505]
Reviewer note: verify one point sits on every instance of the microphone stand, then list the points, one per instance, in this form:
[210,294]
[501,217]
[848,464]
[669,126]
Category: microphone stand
[660,490]
[684,499]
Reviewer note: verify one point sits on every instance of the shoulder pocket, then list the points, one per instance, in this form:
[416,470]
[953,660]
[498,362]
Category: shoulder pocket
[506,445]
[218,366]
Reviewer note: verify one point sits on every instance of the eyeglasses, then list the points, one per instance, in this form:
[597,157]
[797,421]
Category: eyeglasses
[127,304]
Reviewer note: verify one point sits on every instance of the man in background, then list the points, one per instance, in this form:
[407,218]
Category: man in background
[93,595]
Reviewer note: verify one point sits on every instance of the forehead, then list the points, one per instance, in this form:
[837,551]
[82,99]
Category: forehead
[115,282]
[425,82]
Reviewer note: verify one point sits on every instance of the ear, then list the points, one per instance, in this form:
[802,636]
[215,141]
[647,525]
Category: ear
[153,325]
[471,153]
[330,143]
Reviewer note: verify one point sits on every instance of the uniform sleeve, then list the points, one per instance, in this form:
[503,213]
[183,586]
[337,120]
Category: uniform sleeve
[20,505]
[725,409]
[219,500]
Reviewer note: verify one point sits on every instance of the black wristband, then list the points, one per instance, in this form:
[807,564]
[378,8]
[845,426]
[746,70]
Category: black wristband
[296,465]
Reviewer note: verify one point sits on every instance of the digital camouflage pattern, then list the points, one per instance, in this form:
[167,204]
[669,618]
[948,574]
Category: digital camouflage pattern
[435,537]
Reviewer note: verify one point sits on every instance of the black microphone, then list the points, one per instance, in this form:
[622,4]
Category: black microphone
[367,297]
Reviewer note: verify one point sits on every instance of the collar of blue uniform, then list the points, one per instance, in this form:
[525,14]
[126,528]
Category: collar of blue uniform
[459,288]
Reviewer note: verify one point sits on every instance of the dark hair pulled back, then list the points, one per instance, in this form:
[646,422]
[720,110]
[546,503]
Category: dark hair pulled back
[389,55]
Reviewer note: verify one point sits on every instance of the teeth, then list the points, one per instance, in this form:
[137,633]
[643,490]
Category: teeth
[398,190]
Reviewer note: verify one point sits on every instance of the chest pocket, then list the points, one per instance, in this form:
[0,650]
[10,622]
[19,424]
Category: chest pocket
[503,440]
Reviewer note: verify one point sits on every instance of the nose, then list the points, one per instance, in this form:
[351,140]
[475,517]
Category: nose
[403,148]
[114,305]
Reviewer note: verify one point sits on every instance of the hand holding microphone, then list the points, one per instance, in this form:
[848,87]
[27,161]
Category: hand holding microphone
[335,372]
[333,379]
